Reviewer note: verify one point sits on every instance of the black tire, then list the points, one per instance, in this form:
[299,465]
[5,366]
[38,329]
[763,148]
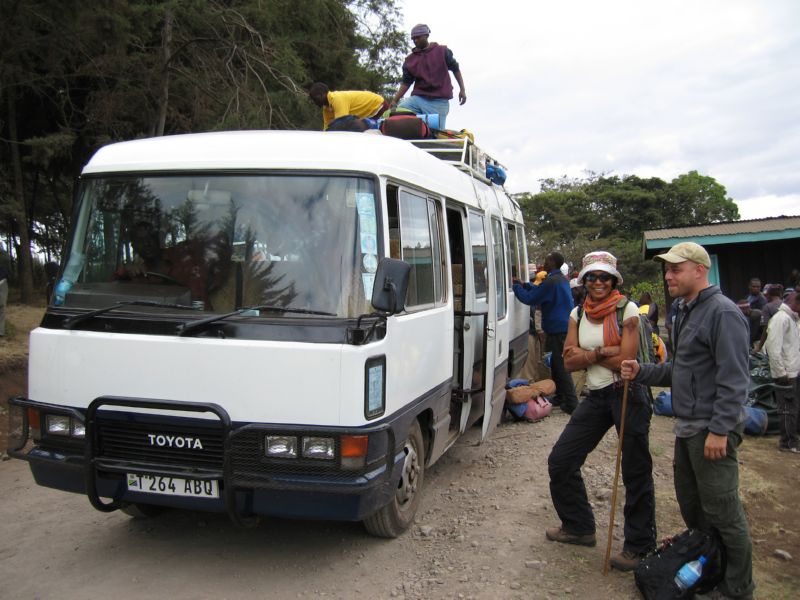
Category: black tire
[394,518]
[142,511]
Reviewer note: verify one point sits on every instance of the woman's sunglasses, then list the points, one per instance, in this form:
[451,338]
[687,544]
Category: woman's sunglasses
[604,277]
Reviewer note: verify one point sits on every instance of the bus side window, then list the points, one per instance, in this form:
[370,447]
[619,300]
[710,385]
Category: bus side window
[514,260]
[415,237]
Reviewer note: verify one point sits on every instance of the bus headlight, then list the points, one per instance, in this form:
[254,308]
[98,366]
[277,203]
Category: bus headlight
[57,425]
[318,447]
[280,446]
[78,430]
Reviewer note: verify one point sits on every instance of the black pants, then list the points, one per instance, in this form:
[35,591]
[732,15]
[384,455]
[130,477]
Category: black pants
[589,423]
[788,405]
[565,388]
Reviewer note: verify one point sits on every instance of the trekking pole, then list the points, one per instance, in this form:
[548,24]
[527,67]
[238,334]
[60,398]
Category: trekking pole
[616,475]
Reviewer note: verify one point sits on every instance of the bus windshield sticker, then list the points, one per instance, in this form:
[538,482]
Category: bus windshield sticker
[367,223]
[370,262]
[368,279]
[369,244]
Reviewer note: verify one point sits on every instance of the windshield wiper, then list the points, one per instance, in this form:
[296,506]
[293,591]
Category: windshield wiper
[194,325]
[71,322]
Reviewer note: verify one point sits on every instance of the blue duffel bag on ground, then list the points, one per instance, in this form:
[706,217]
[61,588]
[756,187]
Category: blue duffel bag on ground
[663,404]
[757,421]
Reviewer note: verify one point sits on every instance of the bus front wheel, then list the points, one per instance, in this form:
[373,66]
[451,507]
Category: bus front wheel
[394,518]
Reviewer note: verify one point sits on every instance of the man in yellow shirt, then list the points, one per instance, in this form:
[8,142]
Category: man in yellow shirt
[362,104]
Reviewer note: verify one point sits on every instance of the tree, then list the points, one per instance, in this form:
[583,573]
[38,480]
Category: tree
[575,216]
[695,199]
[75,76]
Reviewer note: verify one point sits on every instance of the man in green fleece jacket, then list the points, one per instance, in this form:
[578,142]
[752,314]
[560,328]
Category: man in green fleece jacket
[709,376]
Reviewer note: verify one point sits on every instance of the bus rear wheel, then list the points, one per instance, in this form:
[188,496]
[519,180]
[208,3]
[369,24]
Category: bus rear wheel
[394,518]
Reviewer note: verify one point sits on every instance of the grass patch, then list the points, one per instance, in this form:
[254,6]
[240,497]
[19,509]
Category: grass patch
[20,320]
[752,483]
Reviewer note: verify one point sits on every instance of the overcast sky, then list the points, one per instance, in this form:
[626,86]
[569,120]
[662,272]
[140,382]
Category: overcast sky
[631,87]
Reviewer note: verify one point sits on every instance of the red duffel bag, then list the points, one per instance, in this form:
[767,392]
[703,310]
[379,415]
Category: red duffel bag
[405,127]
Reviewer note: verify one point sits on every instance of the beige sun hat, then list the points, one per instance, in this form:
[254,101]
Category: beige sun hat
[600,261]
[686,251]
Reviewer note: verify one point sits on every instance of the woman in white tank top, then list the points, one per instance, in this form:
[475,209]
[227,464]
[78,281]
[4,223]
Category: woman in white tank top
[597,342]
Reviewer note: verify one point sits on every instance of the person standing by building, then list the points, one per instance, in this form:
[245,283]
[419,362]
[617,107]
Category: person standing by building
[783,349]
[709,377]
[774,294]
[753,316]
[756,298]
[554,298]
[598,342]
[428,68]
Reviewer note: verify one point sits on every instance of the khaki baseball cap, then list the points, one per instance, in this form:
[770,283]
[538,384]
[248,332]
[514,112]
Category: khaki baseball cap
[686,251]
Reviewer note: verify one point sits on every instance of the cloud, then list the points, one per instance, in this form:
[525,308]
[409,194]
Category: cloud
[631,87]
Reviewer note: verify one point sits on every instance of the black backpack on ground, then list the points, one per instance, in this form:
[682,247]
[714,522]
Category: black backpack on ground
[655,575]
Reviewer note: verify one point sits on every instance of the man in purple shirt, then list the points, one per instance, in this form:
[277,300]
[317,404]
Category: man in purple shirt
[427,69]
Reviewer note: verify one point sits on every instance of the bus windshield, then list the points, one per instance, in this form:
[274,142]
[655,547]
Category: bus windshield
[223,242]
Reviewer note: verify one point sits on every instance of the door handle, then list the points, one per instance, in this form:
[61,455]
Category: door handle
[466,326]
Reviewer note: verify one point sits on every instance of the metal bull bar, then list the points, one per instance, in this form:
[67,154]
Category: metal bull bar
[94,463]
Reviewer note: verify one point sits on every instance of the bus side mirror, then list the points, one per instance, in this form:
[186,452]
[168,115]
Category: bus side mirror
[391,285]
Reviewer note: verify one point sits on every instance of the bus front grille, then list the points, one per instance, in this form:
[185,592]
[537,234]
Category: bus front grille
[178,445]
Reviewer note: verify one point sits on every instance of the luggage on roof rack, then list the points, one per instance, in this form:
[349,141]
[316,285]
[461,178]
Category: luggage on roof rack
[463,154]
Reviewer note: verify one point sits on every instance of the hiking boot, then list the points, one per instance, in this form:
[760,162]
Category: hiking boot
[626,560]
[792,449]
[557,534]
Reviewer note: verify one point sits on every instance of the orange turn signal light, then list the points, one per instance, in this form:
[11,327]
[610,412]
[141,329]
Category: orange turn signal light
[354,446]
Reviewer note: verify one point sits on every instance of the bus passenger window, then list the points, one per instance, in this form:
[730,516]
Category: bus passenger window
[513,244]
[479,266]
[499,267]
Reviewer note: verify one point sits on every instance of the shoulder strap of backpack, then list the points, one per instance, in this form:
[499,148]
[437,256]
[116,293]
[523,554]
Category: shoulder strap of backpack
[622,304]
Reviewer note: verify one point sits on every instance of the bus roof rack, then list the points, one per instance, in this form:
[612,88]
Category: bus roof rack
[462,153]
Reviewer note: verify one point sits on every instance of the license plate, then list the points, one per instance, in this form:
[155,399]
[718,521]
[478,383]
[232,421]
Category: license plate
[173,486]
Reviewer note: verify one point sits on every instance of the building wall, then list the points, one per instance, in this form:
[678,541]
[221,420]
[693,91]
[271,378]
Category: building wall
[770,261]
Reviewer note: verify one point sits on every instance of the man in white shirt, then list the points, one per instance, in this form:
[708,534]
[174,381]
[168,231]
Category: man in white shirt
[783,350]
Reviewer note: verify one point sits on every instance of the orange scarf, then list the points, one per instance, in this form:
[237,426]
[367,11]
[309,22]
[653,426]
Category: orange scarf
[606,310]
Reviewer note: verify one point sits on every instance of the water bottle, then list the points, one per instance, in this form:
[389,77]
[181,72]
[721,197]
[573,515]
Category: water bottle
[60,293]
[689,573]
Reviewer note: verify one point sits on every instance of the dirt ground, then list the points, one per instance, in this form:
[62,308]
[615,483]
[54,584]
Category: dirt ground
[479,533]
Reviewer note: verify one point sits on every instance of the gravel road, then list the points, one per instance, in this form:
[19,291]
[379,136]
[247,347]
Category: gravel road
[479,534]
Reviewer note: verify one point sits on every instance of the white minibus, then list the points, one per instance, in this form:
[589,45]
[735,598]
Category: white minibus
[292,324]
